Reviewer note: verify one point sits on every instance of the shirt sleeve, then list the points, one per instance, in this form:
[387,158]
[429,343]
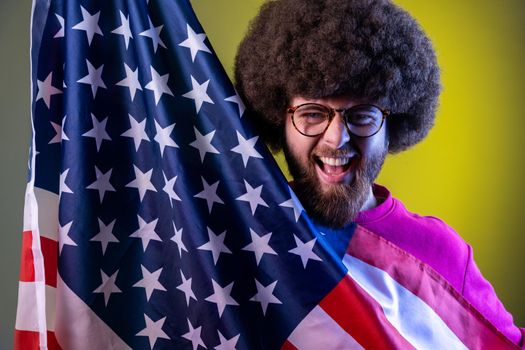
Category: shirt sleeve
[480,293]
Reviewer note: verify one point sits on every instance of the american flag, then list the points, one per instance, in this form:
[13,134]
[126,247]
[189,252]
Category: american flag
[156,218]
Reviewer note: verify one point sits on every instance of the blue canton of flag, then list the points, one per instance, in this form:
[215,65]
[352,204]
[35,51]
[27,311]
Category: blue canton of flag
[174,227]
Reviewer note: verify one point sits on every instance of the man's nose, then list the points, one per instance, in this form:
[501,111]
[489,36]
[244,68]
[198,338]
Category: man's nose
[336,136]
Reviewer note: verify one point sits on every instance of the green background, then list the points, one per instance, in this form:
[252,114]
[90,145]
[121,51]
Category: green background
[469,171]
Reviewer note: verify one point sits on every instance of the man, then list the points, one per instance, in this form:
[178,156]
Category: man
[337,85]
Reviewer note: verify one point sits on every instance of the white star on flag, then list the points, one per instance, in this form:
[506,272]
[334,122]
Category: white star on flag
[293,203]
[60,135]
[146,232]
[98,132]
[305,250]
[195,42]
[221,296]
[94,78]
[154,34]
[60,33]
[215,245]
[177,238]
[260,245]
[227,344]
[153,330]
[105,235]
[265,295]
[64,188]
[198,93]
[236,99]
[89,24]
[46,90]
[150,281]
[137,131]
[203,143]
[158,84]
[124,29]
[194,335]
[142,182]
[185,287]
[63,237]
[163,137]
[131,81]
[102,184]
[209,193]
[108,286]
[252,196]
[169,189]
[246,148]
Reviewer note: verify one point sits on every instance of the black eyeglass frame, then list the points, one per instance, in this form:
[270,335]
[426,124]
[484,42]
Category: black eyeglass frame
[331,114]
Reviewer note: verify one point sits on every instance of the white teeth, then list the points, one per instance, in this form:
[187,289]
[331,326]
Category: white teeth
[335,161]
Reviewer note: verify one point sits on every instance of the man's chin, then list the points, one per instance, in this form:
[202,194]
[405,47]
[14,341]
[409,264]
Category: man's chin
[332,205]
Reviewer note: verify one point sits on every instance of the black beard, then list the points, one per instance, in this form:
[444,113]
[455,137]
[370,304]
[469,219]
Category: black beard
[339,205]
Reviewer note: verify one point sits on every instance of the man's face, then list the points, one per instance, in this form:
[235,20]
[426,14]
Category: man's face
[333,172]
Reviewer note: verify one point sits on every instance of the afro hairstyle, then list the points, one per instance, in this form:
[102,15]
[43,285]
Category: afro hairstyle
[369,50]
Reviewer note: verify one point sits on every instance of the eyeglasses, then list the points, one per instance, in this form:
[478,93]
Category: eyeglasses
[312,119]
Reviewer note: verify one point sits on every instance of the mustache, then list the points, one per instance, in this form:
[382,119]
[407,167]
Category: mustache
[325,151]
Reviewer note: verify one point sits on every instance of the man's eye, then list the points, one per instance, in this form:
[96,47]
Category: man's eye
[361,119]
[312,117]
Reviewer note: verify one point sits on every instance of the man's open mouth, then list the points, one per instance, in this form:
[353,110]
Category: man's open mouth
[335,169]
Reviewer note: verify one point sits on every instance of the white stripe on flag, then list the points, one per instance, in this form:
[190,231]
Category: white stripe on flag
[27,311]
[43,205]
[413,318]
[78,327]
[319,331]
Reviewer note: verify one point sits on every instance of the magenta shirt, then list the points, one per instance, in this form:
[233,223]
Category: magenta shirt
[432,241]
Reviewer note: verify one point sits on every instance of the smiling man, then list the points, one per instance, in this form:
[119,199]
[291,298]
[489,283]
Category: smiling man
[337,85]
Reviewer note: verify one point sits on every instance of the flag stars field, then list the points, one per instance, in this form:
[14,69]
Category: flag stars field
[221,296]
[89,24]
[131,81]
[153,330]
[195,42]
[124,29]
[154,34]
[203,143]
[146,232]
[98,132]
[246,148]
[93,78]
[305,250]
[163,137]
[199,93]
[108,286]
[260,245]
[46,90]
[194,336]
[252,196]
[185,287]
[150,281]
[215,245]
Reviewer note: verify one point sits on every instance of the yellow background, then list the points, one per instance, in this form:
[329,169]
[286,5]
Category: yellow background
[469,170]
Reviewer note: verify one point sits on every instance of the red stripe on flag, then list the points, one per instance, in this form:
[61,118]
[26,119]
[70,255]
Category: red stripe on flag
[50,253]
[428,285]
[52,343]
[27,267]
[49,249]
[288,346]
[26,340]
[362,317]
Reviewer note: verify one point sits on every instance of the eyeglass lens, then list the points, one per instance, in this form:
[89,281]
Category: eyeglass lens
[362,120]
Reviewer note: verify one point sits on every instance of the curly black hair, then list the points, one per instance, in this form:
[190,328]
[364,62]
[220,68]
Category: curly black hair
[370,50]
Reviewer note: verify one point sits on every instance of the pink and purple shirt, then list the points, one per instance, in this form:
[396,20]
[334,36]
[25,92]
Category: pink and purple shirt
[433,242]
